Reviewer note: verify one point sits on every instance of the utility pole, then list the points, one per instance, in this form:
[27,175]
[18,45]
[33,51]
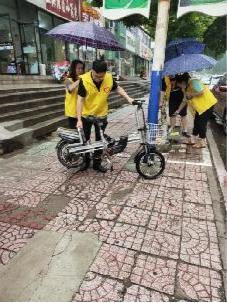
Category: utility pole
[158,61]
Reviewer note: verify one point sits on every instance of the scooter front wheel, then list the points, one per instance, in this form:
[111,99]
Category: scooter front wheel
[150,164]
[67,160]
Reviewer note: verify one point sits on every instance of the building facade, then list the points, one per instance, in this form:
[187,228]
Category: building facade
[26,49]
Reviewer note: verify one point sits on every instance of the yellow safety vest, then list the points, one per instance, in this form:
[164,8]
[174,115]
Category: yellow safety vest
[70,101]
[96,101]
[201,103]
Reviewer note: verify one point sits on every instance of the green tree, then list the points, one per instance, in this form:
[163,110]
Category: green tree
[215,37]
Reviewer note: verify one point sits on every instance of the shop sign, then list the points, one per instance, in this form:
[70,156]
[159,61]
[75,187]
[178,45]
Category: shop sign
[6,46]
[68,9]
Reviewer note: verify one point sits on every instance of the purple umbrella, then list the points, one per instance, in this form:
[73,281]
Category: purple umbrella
[86,33]
[183,46]
[188,63]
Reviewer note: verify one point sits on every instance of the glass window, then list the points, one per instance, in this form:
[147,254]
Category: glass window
[7,55]
[45,20]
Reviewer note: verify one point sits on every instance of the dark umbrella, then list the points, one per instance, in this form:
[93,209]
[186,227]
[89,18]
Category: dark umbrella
[86,33]
[188,63]
[183,46]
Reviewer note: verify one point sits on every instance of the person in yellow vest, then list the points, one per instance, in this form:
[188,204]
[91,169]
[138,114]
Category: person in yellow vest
[173,95]
[201,100]
[71,87]
[94,89]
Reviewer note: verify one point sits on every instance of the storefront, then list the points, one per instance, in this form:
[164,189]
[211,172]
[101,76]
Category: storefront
[24,45]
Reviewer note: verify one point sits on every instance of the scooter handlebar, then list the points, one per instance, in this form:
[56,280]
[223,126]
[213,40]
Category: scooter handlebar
[138,101]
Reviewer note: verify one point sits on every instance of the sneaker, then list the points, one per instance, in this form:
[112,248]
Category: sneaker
[98,166]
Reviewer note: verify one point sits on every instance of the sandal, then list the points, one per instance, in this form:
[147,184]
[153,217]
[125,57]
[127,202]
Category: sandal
[198,145]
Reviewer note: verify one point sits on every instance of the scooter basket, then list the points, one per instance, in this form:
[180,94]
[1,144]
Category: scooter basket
[156,134]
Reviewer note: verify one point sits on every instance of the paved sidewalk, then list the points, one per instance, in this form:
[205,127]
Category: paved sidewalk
[157,240]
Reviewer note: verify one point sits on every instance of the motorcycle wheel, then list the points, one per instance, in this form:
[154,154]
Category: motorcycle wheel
[67,160]
[150,165]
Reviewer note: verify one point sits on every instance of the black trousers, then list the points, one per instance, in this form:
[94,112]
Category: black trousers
[72,122]
[200,123]
[87,125]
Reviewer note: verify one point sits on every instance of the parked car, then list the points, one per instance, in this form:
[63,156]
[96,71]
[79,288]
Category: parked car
[220,92]
[214,80]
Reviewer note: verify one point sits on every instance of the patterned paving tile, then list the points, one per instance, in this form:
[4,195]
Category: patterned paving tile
[79,208]
[69,190]
[6,256]
[196,185]
[166,223]
[96,288]
[127,176]
[119,192]
[136,293]
[193,175]
[101,228]
[127,236]
[134,216]
[3,226]
[174,183]
[113,261]
[155,273]
[169,206]
[24,198]
[198,211]
[143,196]
[197,196]
[47,187]
[200,243]
[175,170]
[198,283]
[170,193]
[15,237]
[161,244]
[107,211]
[63,222]
[195,168]
[95,190]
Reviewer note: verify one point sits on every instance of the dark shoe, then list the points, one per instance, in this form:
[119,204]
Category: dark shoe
[98,166]
[86,164]
[185,134]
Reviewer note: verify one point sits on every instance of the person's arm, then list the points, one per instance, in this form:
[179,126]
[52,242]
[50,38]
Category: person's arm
[123,94]
[71,86]
[80,101]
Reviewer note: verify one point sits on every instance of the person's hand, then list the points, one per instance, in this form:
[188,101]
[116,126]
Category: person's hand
[79,124]
[188,96]
[176,113]
[130,100]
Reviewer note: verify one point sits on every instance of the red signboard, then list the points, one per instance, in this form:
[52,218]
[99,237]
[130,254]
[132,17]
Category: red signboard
[69,9]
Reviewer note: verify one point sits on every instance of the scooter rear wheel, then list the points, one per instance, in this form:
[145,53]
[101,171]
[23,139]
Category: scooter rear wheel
[150,165]
[67,160]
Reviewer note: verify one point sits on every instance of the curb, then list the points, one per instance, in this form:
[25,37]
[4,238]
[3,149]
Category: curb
[218,165]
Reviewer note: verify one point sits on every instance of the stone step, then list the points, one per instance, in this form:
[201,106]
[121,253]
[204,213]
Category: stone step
[29,95]
[36,119]
[11,140]
[5,89]
[15,106]
[22,114]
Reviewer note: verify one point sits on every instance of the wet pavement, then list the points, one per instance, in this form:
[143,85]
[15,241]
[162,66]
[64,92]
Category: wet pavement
[158,238]
[220,139]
